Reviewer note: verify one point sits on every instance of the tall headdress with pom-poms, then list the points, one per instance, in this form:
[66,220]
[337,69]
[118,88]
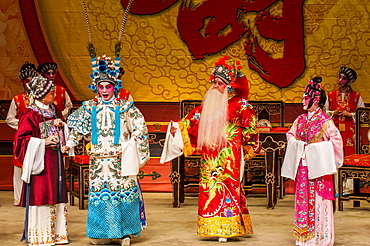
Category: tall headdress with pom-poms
[229,71]
[104,69]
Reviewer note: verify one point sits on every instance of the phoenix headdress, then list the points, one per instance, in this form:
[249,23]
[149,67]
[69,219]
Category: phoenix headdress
[104,69]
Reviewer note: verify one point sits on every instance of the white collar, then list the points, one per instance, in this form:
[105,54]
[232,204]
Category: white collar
[41,105]
[310,114]
[107,102]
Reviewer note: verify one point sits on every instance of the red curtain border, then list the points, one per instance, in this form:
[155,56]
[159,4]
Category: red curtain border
[38,41]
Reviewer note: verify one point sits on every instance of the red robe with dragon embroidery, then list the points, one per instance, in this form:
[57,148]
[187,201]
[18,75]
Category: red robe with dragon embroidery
[222,208]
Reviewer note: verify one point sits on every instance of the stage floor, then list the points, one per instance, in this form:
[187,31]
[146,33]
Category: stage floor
[177,226]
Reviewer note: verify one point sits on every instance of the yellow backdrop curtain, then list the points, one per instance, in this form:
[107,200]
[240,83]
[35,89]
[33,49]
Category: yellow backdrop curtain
[158,62]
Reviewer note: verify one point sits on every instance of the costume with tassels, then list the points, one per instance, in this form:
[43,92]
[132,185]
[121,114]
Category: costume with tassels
[222,208]
[118,148]
[115,202]
[314,152]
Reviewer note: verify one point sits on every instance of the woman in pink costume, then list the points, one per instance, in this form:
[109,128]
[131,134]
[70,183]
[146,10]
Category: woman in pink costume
[314,152]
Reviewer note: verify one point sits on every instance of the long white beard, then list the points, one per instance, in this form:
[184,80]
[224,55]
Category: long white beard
[213,120]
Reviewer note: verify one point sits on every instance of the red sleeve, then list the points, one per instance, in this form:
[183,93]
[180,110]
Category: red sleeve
[248,123]
[124,94]
[191,121]
[27,128]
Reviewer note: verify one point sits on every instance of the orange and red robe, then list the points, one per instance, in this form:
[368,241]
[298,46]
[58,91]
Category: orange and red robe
[60,97]
[22,101]
[346,125]
[222,207]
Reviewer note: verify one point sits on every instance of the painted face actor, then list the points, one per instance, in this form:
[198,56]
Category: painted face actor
[119,147]
[313,154]
[341,107]
[38,147]
[18,104]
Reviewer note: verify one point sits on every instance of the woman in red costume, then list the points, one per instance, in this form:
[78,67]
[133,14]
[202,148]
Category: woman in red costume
[19,103]
[37,147]
[341,107]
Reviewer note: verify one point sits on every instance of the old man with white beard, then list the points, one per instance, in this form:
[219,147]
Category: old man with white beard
[223,130]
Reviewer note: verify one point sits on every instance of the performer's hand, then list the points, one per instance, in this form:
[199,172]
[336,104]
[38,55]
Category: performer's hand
[345,113]
[336,112]
[58,122]
[65,149]
[172,129]
[52,140]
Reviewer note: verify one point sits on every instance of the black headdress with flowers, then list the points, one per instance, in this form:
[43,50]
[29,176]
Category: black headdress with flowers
[39,87]
[349,73]
[46,66]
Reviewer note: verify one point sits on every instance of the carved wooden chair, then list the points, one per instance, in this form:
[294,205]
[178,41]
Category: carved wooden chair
[257,174]
[184,171]
[357,166]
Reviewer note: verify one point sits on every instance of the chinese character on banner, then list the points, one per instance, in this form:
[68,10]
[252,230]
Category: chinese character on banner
[209,26]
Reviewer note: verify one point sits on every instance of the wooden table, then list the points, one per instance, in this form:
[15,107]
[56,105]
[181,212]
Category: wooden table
[78,172]
[273,143]
[356,167]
